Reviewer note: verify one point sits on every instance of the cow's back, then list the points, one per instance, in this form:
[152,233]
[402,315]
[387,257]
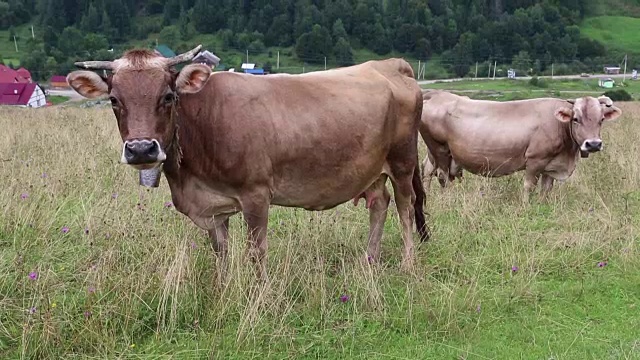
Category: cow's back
[331,129]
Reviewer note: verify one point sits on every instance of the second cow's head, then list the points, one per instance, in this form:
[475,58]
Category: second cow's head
[586,116]
[143,88]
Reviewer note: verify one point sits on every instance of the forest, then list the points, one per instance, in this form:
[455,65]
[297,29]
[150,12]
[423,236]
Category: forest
[528,34]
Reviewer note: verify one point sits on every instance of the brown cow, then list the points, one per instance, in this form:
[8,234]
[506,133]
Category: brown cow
[543,137]
[230,142]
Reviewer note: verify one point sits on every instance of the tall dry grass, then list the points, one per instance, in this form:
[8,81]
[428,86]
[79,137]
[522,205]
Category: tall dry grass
[132,276]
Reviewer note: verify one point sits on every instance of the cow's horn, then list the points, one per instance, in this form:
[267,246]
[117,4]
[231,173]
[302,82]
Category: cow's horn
[95,65]
[605,100]
[184,57]
[571,101]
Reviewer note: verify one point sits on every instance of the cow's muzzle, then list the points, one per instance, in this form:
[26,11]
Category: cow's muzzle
[142,152]
[591,145]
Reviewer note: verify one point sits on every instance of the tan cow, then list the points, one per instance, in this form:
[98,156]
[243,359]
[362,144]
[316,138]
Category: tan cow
[543,137]
[231,142]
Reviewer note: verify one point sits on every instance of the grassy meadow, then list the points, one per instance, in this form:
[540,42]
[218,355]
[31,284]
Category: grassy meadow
[94,266]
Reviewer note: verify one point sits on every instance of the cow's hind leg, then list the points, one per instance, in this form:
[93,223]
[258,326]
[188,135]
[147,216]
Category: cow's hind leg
[546,185]
[377,197]
[530,182]
[405,198]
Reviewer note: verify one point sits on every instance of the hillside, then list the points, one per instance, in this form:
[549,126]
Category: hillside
[451,36]
[617,32]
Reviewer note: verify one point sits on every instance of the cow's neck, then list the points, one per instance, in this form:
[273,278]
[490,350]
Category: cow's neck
[173,163]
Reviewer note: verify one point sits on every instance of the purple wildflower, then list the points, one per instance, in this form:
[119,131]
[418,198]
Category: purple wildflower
[344,298]
[515,268]
[87,314]
[369,259]
[32,310]
[91,289]
[590,209]
[33,275]
[86,230]
[65,229]
[44,175]
[168,204]
[481,193]
[114,195]
[24,196]
[194,245]
[478,308]
[602,264]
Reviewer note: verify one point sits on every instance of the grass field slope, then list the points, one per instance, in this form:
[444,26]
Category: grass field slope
[94,266]
[618,32]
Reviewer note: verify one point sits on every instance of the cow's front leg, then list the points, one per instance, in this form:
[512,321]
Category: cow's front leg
[255,209]
[546,184]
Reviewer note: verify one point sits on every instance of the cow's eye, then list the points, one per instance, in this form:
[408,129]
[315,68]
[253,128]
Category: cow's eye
[114,101]
[575,120]
[168,99]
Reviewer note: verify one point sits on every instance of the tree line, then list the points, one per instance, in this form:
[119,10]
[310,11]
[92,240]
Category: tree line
[529,34]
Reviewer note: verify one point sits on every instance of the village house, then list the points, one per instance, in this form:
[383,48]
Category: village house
[22,94]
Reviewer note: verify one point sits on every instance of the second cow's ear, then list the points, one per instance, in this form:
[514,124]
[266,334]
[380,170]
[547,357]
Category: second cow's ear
[192,78]
[564,114]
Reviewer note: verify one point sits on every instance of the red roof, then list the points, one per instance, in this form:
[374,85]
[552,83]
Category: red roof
[16,93]
[8,75]
[58,78]
[24,73]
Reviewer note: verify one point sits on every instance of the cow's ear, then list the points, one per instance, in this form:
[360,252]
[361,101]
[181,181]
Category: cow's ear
[611,113]
[192,78]
[564,114]
[87,84]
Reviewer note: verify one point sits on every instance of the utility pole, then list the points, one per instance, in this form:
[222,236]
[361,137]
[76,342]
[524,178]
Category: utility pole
[325,63]
[278,61]
[33,36]
[624,76]
[495,65]
[476,70]
[15,42]
[551,70]
[418,77]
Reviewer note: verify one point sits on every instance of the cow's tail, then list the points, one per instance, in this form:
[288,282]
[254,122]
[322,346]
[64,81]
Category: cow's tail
[418,206]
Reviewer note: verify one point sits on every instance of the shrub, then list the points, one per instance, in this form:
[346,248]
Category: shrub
[618,95]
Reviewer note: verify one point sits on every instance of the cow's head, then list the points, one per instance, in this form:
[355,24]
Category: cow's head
[143,88]
[586,116]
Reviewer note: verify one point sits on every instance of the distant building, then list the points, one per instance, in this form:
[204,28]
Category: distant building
[606,83]
[250,68]
[612,70]
[207,58]
[8,75]
[59,82]
[164,50]
[22,94]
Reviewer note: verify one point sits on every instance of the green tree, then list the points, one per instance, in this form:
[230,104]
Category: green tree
[338,31]
[522,62]
[70,41]
[170,35]
[90,20]
[313,46]
[343,52]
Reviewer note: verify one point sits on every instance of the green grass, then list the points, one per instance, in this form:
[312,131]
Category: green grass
[57,99]
[617,32]
[141,282]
